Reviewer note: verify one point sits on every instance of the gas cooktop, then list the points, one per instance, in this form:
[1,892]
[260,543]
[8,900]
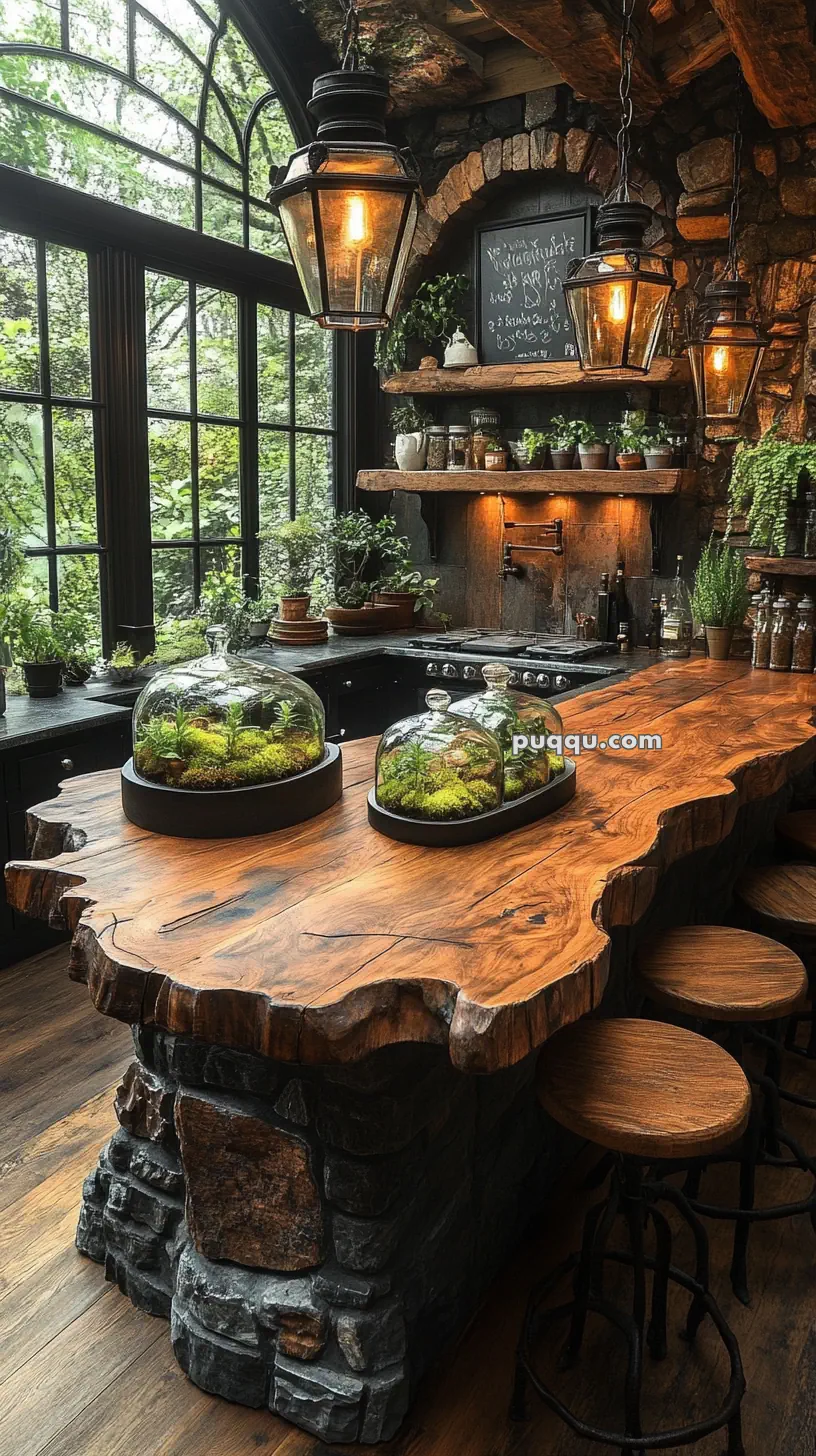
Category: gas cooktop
[486,642]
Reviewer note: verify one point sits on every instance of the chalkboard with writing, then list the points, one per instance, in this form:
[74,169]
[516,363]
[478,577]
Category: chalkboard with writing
[520,305]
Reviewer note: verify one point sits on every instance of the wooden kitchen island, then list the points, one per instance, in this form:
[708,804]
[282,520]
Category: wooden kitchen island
[329,1141]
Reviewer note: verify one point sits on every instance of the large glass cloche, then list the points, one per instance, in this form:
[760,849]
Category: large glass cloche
[438,766]
[224,722]
[511,715]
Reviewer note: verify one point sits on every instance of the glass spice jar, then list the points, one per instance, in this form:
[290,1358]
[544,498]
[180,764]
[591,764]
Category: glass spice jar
[781,636]
[437,458]
[484,425]
[761,638]
[803,637]
[459,447]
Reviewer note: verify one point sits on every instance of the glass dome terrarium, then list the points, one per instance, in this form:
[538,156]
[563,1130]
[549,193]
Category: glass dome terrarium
[435,766]
[510,715]
[233,746]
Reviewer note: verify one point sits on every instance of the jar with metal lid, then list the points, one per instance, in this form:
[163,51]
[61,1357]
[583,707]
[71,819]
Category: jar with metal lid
[459,447]
[803,637]
[781,636]
[437,437]
[761,637]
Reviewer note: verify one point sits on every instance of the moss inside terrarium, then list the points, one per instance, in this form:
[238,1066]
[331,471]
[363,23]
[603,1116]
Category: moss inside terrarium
[225,752]
[450,783]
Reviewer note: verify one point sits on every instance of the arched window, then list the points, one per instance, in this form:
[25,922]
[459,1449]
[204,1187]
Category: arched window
[156,104]
[164,396]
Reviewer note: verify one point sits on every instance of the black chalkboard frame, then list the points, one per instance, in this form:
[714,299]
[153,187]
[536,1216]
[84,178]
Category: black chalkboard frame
[585,214]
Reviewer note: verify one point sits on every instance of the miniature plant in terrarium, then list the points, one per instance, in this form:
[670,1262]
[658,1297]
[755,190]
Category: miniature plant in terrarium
[434,766]
[223,722]
[523,725]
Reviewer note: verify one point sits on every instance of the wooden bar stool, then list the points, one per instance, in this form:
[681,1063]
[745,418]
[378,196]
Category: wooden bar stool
[643,1091]
[732,981]
[781,899]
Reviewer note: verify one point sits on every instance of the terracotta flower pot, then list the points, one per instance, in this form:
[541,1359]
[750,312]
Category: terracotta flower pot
[562,459]
[594,457]
[294,609]
[718,642]
[404,602]
[363,621]
[630,461]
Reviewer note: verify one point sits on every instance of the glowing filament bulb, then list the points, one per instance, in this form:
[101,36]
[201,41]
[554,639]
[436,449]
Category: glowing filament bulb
[719,361]
[617,305]
[356,221]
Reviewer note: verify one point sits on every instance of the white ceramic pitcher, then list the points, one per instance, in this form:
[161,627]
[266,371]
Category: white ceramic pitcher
[411,450]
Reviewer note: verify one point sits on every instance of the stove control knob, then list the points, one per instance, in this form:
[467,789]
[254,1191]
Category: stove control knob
[448,669]
[432,669]
[542,680]
[470,672]
[561,682]
[529,679]
[513,680]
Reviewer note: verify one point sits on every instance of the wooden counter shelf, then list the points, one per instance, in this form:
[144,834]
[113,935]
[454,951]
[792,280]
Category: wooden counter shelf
[556,375]
[782,565]
[530,482]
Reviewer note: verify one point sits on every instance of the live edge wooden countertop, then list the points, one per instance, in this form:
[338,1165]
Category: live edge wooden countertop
[322,942]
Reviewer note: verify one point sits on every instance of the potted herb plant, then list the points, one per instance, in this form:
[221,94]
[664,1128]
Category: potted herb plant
[531,451]
[593,450]
[400,585]
[12,566]
[629,447]
[411,443]
[495,455]
[34,635]
[123,664]
[657,450]
[433,315]
[258,613]
[294,556]
[720,597]
[353,542]
[765,480]
[562,437]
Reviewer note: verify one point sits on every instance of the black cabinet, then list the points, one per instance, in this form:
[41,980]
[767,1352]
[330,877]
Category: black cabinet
[363,698]
[29,775]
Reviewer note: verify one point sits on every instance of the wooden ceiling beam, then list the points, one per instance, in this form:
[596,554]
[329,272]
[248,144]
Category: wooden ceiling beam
[686,47]
[773,40]
[583,44]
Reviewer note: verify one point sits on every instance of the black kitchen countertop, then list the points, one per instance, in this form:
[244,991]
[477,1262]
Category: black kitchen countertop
[32,720]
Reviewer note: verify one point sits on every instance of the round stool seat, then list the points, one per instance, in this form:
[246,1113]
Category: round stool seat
[798,831]
[783,897]
[644,1088]
[722,974]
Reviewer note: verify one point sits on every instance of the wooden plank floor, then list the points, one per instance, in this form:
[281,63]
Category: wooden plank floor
[84,1374]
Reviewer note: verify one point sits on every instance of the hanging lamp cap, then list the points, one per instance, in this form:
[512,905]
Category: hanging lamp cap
[622,224]
[728,290]
[350,106]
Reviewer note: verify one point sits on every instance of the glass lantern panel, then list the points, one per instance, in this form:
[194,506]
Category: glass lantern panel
[364,160]
[600,312]
[297,217]
[723,374]
[438,765]
[647,320]
[223,722]
[361,233]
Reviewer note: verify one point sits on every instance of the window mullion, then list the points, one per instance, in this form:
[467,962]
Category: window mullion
[192,328]
[248,437]
[47,424]
[292,414]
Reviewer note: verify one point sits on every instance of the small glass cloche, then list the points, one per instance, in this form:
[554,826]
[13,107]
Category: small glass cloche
[438,766]
[224,722]
[508,715]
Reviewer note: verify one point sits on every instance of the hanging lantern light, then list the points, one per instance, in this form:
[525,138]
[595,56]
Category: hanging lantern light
[617,297]
[727,344]
[349,202]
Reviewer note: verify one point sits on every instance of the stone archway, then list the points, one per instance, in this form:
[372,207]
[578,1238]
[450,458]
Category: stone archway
[469,184]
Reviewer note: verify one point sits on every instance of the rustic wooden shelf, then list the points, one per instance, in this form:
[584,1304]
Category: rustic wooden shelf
[538,482]
[554,374]
[782,565]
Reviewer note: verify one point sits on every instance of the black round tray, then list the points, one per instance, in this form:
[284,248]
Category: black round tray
[232,813]
[451,832]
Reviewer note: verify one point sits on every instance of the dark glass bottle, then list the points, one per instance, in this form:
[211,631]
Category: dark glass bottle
[603,608]
[619,603]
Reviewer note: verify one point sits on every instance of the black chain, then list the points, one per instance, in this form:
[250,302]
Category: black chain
[627,55]
[736,181]
[350,42]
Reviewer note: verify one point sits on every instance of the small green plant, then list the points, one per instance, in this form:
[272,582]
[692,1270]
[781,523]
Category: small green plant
[765,479]
[563,434]
[434,313]
[79,641]
[720,594]
[233,722]
[398,571]
[406,418]
[33,632]
[588,434]
[123,657]
[536,444]
[353,540]
[294,554]
[157,739]
[657,437]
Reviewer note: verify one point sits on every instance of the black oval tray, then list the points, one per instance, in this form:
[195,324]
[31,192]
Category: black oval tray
[450,832]
[232,813]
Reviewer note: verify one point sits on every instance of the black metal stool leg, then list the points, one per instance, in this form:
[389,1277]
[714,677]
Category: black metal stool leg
[581,1285]
[742,1226]
[633,1206]
[656,1333]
